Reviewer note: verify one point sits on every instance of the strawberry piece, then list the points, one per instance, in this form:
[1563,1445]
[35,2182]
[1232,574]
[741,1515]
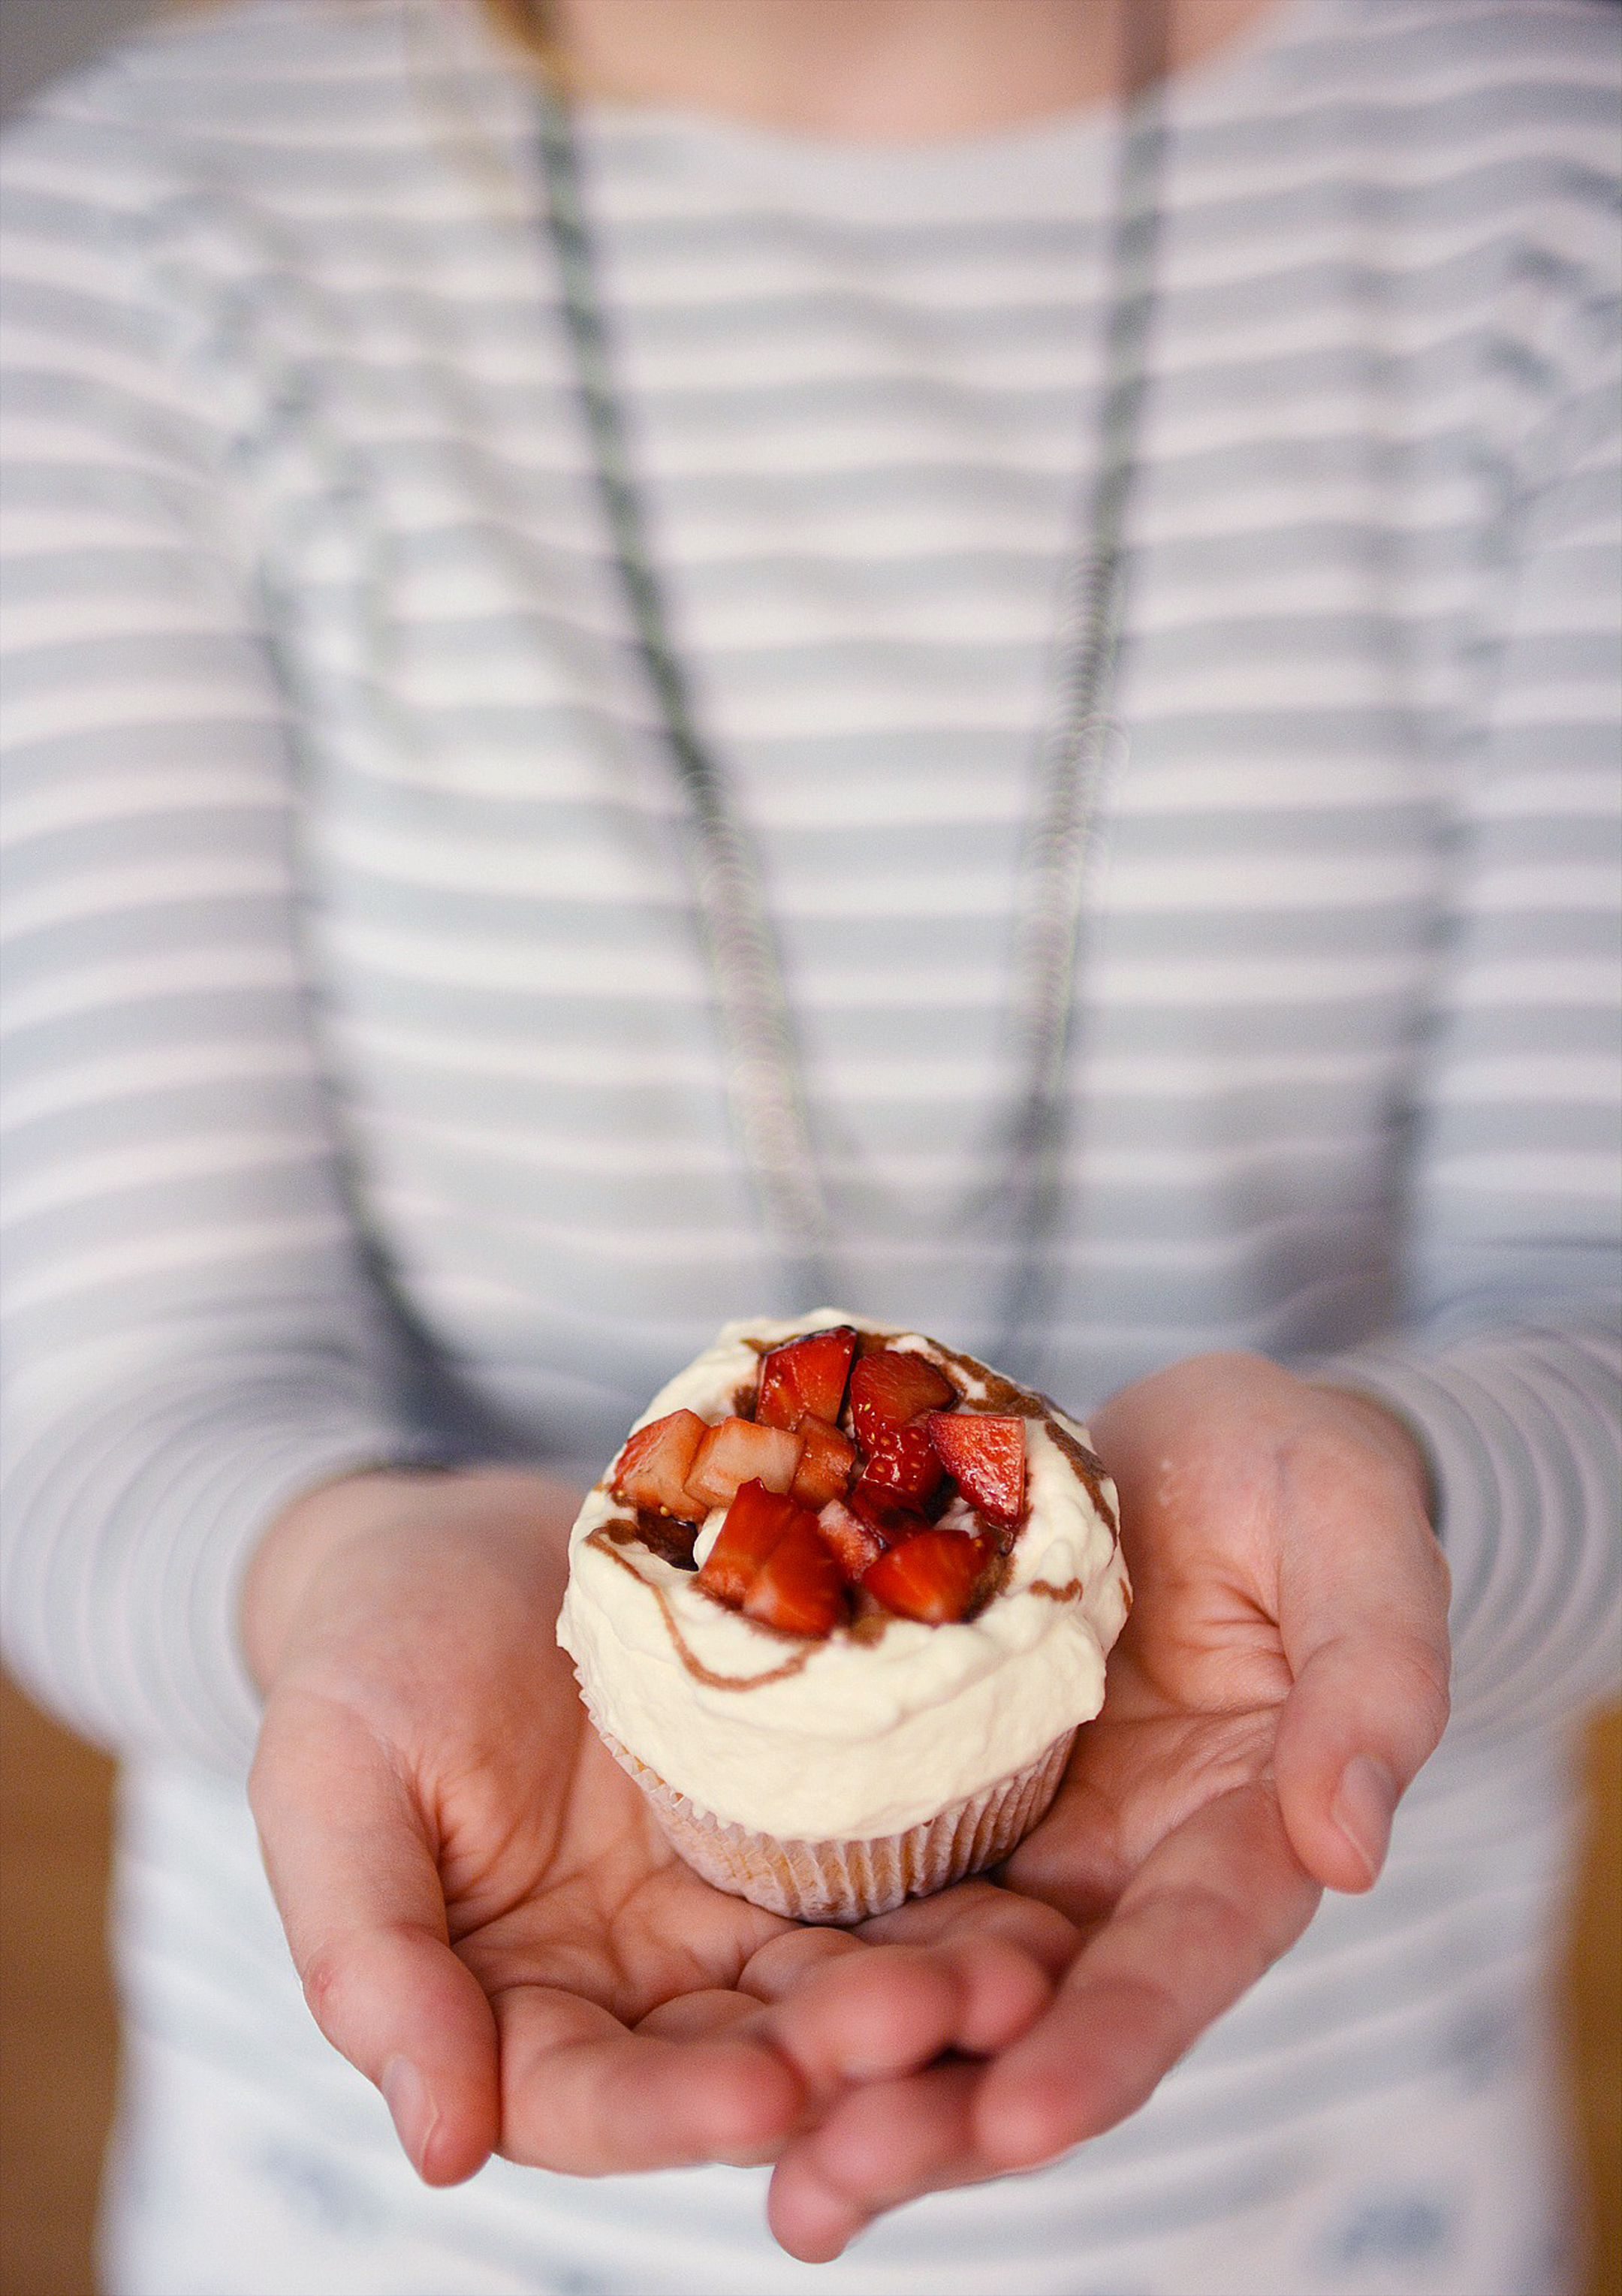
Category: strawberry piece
[755,1521]
[651,1471]
[889,1387]
[984,1454]
[799,1588]
[907,1462]
[826,1464]
[855,1542]
[930,1577]
[738,1452]
[806,1379]
[884,1511]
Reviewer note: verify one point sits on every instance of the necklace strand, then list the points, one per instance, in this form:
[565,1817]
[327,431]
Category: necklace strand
[765,1094]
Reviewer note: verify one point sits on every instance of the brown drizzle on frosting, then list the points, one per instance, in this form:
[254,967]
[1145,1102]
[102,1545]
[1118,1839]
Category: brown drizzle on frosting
[662,1535]
[673,1541]
[1072,1591]
[609,1539]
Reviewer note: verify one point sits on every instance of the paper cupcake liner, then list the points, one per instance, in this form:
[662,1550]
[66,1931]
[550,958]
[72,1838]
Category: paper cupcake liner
[850,1881]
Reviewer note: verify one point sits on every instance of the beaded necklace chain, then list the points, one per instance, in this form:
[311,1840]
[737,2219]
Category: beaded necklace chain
[767,1099]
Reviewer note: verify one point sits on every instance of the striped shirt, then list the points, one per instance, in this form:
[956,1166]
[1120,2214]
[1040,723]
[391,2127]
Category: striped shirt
[364,1093]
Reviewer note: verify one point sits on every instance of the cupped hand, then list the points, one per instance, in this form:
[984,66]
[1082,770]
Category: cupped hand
[1283,1676]
[485,1917]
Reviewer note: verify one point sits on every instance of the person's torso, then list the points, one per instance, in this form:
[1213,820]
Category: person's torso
[863,396]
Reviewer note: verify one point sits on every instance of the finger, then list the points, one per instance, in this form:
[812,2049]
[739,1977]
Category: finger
[786,1961]
[584,2097]
[1366,1711]
[889,2009]
[701,2016]
[968,1970]
[879,2146]
[984,1909]
[352,1867]
[1219,1901]
[1364,1617]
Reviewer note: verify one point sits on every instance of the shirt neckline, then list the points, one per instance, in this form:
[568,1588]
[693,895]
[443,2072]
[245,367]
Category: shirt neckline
[760,160]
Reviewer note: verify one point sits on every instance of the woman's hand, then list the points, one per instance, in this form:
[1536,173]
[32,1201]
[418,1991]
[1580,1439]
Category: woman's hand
[1281,1678]
[485,1917]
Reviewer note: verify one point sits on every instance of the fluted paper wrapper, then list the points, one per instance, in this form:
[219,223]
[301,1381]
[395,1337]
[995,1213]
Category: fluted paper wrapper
[850,1881]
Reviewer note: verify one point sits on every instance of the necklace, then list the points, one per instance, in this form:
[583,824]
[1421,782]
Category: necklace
[767,1100]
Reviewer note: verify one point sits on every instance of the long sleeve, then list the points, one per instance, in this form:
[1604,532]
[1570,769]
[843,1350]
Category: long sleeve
[1510,1366]
[190,1333]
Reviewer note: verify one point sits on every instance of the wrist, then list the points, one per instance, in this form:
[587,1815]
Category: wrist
[1395,1436]
[303,1542]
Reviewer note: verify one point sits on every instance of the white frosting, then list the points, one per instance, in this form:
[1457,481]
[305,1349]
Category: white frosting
[852,1739]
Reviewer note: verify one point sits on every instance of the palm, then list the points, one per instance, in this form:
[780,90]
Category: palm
[1288,1620]
[570,1909]
[589,1891]
[550,1857]
[470,1879]
[1197,1685]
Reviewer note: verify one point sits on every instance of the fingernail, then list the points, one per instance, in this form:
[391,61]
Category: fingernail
[413,2109]
[1364,1809]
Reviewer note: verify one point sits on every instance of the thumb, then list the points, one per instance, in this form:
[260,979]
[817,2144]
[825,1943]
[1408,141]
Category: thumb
[1365,1712]
[1364,1615]
[353,1875]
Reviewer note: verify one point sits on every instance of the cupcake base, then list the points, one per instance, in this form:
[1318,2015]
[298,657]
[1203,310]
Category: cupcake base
[843,1882]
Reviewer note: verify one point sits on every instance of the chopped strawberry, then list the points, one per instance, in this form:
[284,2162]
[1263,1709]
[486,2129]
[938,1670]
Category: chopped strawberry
[805,1378]
[799,1587]
[907,1462]
[984,1454]
[826,1464]
[651,1471]
[855,1542]
[932,1576]
[755,1521]
[637,1444]
[889,1387]
[738,1452]
[884,1511]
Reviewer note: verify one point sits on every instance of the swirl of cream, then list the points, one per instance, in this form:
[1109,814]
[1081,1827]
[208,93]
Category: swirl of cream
[850,1738]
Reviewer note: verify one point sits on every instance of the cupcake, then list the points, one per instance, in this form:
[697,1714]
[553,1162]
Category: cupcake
[839,1606]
